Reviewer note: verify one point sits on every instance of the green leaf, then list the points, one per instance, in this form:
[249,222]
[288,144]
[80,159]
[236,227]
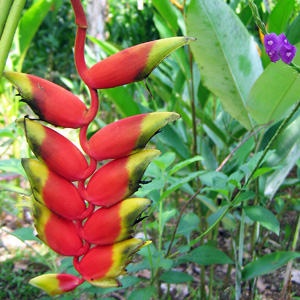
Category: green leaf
[285,142]
[170,137]
[264,216]
[267,264]
[25,234]
[185,163]
[165,160]
[188,223]
[123,101]
[175,277]
[109,47]
[261,171]
[274,92]
[145,293]
[207,255]
[12,165]
[179,183]
[225,53]
[167,11]
[287,152]
[14,189]
[166,216]
[275,180]
[293,33]
[245,196]
[280,16]
[29,24]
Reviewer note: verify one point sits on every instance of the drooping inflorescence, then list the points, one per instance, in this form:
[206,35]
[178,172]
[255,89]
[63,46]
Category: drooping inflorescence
[91,221]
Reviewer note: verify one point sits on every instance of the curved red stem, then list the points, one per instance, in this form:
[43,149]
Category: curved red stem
[88,211]
[82,190]
[80,18]
[92,112]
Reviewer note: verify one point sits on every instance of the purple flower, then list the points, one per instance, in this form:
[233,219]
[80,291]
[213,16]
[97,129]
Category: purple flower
[283,41]
[271,42]
[279,47]
[287,54]
[274,55]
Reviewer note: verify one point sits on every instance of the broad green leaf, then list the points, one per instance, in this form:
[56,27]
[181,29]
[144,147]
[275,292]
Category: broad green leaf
[175,277]
[145,293]
[185,163]
[207,255]
[25,234]
[166,216]
[275,179]
[188,223]
[169,136]
[280,16]
[109,47]
[274,92]
[261,171]
[165,160]
[267,264]
[293,33]
[225,53]
[286,154]
[264,216]
[13,188]
[12,165]
[180,182]
[29,24]
[245,196]
[123,101]
[167,11]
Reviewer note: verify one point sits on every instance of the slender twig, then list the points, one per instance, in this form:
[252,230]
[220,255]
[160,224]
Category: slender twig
[179,217]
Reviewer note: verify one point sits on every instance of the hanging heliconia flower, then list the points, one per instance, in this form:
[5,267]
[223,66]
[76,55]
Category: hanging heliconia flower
[93,223]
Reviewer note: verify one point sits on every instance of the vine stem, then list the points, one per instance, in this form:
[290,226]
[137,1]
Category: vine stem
[266,150]
[9,29]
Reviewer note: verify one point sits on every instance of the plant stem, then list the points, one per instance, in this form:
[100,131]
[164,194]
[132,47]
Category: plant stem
[240,257]
[9,30]
[260,24]
[290,263]
[4,8]
[266,150]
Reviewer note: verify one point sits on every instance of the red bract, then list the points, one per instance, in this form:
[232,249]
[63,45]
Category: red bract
[49,101]
[55,192]
[102,264]
[118,179]
[132,64]
[55,284]
[117,222]
[57,152]
[57,232]
[132,133]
